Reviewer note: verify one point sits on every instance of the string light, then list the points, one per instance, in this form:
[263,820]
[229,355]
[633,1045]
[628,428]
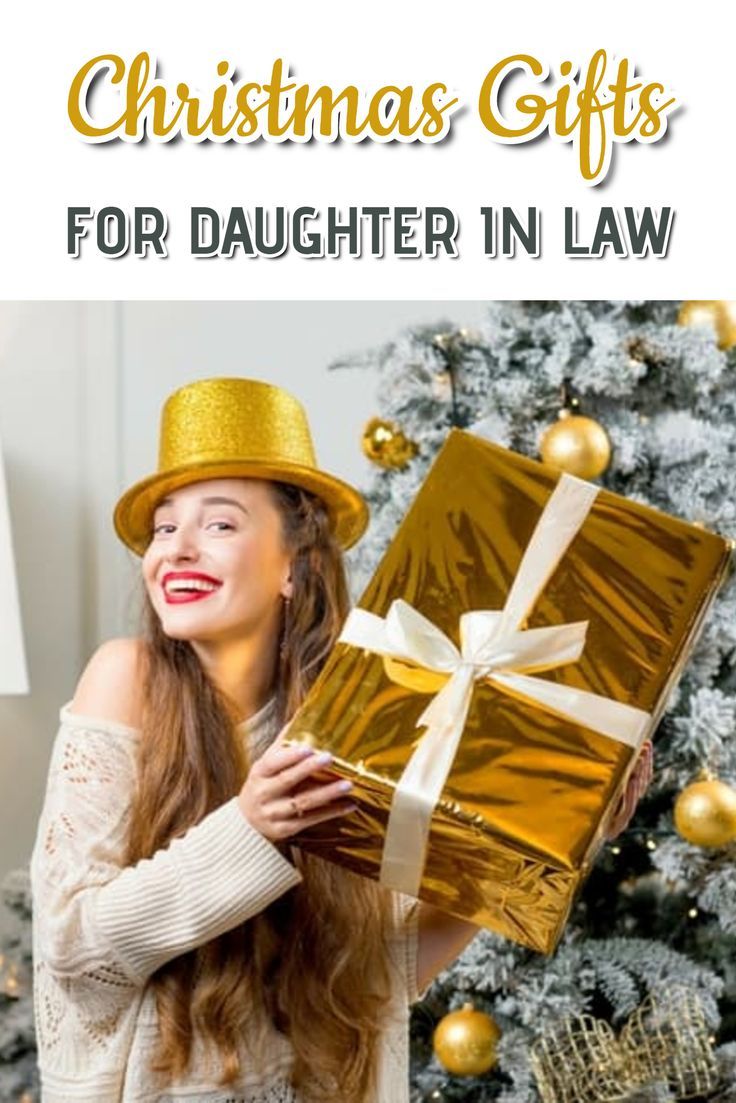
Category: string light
[693,913]
[10,978]
[615,850]
[11,987]
[651,845]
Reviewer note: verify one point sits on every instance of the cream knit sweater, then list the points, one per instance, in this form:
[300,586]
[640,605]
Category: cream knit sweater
[101,930]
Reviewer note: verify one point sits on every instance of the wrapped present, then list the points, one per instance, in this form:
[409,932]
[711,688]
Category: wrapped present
[488,697]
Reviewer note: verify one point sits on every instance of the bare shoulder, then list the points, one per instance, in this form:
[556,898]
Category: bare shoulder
[111,686]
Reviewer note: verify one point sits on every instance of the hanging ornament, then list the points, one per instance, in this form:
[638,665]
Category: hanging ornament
[385,444]
[465,1042]
[705,813]
[719,314]
[576,444]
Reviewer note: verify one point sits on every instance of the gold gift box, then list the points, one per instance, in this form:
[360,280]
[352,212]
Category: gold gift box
[524,810]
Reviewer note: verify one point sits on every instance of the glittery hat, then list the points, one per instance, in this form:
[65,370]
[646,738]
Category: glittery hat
[242,428]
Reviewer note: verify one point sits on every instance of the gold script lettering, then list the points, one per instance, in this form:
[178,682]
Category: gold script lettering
[584,110]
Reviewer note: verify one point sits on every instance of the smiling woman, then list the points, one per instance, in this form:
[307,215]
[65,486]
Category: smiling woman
[183,948]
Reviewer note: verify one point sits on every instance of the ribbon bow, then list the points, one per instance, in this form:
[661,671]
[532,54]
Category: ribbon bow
[494,648]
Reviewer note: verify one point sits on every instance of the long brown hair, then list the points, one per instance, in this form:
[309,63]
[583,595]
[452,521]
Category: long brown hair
[314,962]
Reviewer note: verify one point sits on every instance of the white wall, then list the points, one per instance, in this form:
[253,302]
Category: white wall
[81,387]
[42,429]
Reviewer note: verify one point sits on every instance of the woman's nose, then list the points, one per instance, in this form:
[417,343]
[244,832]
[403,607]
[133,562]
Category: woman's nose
[182,546]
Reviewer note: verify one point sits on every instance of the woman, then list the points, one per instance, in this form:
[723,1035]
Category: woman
[183,948]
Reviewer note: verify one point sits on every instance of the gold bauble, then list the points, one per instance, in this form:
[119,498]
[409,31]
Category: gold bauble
[719,314]
[705,813]
[465,1042]
[578,445]
[385,444]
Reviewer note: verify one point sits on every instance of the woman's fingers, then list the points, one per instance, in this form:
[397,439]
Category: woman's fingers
[644,770]
[297,824]
[309,800]
[619,821]
[301,771]
[649,762]
[636,787]
[282,795]
[290,815]
[278,758]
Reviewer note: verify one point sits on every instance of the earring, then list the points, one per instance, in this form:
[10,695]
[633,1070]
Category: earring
[285,627]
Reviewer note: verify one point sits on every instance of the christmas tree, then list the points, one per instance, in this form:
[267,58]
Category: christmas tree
[18,1072]
[658,915]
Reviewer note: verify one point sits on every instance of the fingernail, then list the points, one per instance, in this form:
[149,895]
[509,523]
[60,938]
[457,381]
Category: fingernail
[324,757]
[306,750]
[351,807]
[345,786]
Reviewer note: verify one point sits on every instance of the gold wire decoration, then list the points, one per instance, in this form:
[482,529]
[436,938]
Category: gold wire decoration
[670,1040]
[667,1039]
[579,1061]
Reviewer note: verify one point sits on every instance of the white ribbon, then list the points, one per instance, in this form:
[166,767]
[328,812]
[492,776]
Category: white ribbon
[493,648]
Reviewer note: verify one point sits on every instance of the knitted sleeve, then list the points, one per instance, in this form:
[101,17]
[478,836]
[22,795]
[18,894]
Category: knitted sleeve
[95,919]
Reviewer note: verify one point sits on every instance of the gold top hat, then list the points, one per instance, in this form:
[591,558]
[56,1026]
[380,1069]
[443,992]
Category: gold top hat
[242,428]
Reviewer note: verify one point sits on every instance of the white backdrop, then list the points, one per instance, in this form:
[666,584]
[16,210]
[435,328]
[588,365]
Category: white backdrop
[48,168]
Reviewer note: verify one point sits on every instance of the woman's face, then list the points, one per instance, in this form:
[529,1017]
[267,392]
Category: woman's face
[216,567]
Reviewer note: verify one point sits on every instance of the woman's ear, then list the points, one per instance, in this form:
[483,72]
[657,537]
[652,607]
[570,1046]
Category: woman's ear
[287,586]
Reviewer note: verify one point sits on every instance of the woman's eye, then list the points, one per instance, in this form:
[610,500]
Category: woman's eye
[163,529]
[220,526]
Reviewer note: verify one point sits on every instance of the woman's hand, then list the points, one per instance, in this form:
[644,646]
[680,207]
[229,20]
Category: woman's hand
[280,796]
[637,785]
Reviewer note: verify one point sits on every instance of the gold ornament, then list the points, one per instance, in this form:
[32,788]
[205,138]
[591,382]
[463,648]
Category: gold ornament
[705,813]
[385,444]
[719,314]
[578,445]
[465,1042]
[580,1060]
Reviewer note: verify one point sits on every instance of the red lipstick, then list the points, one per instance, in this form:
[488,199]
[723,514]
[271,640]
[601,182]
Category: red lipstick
[181,587]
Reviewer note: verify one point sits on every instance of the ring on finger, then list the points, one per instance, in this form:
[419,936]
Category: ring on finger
[296,809]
